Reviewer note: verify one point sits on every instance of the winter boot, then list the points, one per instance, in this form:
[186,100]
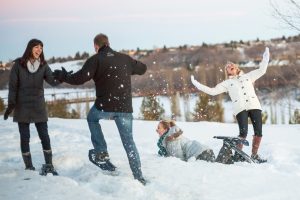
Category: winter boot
[48,156]
[27,161]
[255,145]
[103,161]
[207,155]
[237,157]
[142,180]
[48,167]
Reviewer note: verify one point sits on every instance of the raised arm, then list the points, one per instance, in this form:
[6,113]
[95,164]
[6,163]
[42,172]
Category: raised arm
[256,74]
[220,88]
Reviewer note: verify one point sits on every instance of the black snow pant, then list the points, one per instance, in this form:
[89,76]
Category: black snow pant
[256,119]
[42,129]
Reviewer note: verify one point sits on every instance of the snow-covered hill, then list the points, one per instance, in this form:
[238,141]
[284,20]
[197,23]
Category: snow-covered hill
[169,178]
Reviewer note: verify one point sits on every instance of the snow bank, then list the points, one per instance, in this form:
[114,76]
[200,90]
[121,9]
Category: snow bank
[170,178]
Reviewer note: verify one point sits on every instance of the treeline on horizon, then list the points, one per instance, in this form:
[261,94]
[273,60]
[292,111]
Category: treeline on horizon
[169,69]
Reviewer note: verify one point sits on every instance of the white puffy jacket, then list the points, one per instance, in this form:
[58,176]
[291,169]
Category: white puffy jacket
[240,87]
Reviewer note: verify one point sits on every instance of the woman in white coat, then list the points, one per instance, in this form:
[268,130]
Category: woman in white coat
[172,143]
[245,102]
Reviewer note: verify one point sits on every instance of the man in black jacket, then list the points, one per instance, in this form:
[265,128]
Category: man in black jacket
[111,72]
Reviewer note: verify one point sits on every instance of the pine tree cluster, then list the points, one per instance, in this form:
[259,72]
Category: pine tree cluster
[151,108]
[206,110]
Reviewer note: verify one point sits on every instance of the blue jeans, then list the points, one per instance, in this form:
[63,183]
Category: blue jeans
[124,124]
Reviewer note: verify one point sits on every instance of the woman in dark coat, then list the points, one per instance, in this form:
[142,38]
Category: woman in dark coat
[26,99]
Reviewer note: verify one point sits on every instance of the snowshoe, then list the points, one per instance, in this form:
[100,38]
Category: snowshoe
[238,158]
[229,144]
[225,155]
[48,168]
[101,160]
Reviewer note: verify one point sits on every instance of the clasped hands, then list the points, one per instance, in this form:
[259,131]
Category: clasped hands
[62,74]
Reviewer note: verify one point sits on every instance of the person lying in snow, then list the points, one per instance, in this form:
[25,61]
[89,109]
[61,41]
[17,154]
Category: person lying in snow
[172,143]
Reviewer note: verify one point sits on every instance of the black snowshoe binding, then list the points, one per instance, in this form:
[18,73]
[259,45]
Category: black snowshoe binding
[48,168]
[101,160]
[226,155]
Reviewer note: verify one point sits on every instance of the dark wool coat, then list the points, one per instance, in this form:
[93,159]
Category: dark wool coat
[26,93]
[111,72]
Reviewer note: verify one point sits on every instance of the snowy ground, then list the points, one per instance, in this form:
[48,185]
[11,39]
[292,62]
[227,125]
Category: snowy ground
[169,178]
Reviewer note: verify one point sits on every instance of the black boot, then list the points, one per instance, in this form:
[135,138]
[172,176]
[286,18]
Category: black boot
[207,155]
[48,167]
[142,180]
[27,161]
[48,156]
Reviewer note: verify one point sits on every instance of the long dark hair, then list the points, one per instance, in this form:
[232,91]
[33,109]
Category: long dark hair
[28,52]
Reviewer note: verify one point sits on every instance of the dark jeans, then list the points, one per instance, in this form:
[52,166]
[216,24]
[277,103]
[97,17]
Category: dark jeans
[124,125]
[256,119]
[42,129]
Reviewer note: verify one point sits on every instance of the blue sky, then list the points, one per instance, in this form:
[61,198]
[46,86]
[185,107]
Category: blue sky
[68,26]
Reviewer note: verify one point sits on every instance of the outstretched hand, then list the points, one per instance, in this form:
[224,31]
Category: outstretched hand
[66,72]
[8,111]
[62,74]
[6,114]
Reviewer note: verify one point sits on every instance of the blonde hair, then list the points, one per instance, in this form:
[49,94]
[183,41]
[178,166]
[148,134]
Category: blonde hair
[167,123]
[231,63]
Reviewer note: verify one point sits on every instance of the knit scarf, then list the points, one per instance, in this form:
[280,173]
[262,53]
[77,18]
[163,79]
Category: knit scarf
[33,67]
[162,150]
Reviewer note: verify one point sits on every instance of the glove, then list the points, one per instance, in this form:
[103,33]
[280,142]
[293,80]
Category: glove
[66,72]
[62,74]
[8,111]
[266,54]
[59,75]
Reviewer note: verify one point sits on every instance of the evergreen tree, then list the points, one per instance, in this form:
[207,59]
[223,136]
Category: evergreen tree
[207,110]
[151,108]
[264,117]
[204,44]
[84,55]
[165,49]
[296,118]
[2,106]
[77,56]
[60,109]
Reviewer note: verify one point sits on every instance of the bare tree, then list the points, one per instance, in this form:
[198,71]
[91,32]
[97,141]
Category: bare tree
[288,12]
